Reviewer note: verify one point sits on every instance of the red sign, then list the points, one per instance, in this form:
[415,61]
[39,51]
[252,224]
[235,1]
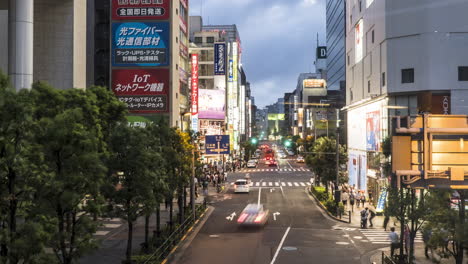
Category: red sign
[140,9]
[194,82]
[143,90]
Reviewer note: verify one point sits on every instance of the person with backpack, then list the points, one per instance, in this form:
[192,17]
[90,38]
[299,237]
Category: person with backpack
[351,200]
[364,216]
[372,215]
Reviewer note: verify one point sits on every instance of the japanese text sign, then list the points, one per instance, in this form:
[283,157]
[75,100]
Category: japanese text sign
[219,59]
[140,44]
[143,90]
[140,9]
[194,82]
[218,144]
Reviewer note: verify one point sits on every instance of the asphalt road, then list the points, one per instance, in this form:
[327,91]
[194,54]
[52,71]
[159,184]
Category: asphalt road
[307,236]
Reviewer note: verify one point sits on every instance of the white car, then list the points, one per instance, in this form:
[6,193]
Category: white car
[241,186]
[251,164]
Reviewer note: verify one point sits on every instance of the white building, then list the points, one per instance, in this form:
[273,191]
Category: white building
[409,55]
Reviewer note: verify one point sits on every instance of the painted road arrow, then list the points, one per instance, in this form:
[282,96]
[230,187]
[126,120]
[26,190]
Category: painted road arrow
[231,216]
[275,214]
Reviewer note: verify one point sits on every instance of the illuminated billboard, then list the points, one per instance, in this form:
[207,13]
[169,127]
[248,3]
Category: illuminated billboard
[314,83]
[358,45]
[211,104]
[275,117]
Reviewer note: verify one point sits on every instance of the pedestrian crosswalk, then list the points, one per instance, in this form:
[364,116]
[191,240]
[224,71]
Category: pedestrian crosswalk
[283,170]
[107,225]
[380,236]
[279,184]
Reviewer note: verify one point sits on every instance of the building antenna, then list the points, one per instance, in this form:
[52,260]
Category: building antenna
[201,9]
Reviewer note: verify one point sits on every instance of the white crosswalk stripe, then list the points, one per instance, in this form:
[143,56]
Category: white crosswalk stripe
[289,184]
[276,184]
[283,183]
[257,184]
[263,183]
[270,184]
[277,169]
[380,236]
[302,184]
[296,184]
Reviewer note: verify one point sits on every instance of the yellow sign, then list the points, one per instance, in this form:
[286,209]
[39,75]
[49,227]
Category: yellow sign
[314,83]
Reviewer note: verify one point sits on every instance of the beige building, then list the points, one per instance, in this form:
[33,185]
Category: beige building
[43,40]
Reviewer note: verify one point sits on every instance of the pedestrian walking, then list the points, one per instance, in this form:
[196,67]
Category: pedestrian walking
[351,201]
[364,216]
[407,238]
[205,188]
[363,199]
[394,241]
[344,198]
[427,233]
[358,199]
[372,214]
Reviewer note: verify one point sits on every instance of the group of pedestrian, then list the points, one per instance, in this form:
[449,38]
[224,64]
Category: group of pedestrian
[367,214]
[354,196]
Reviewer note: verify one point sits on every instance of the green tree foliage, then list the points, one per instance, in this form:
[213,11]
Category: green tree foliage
[447,223]
[322,160]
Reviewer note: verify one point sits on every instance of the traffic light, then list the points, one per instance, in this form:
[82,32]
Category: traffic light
[254,141]
[287,143]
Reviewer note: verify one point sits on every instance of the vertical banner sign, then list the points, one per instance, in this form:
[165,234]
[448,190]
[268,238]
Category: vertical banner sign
[358,45]
[140,9]
[231,71]
[194,82]
[373,131]
[219,59]
[194,87]
[143,90]
[140,44]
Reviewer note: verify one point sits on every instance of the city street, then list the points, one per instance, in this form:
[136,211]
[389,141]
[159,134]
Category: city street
[299,228]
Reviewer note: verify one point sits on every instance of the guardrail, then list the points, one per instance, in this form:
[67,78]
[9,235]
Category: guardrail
[175,237]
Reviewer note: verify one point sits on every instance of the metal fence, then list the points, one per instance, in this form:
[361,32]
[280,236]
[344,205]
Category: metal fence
[175,237]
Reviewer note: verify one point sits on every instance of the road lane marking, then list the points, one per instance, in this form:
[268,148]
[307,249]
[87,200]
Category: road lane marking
[296,184]
[308,183]
[280,245]
[270,184]
[259,193]
[101,233]
[289,164]
[289,184]
[276,184]
[302,184]
[283,184]
[263,183]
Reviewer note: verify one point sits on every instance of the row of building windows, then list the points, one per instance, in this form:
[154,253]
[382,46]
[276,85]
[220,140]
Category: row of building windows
[407,76]
[199,40]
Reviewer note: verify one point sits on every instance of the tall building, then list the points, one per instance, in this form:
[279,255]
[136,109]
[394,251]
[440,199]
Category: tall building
[402,58]
[335,53]
[149,51]
[41,40]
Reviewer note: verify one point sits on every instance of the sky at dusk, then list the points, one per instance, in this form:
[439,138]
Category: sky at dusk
[278,39]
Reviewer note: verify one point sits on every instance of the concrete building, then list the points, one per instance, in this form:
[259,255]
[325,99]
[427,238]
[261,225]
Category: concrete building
[44,40]
[402,58]
[335,30]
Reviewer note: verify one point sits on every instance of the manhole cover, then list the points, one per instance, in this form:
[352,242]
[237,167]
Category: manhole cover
[289,248]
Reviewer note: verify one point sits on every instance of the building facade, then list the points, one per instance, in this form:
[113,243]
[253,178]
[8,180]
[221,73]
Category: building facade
[402,58]
[335,30]
[42,40]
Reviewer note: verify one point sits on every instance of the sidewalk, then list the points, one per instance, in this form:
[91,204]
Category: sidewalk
[112,246]
[420,258]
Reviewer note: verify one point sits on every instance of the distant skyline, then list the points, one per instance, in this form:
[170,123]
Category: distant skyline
[278,39]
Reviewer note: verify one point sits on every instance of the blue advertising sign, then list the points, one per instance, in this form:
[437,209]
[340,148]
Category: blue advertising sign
[220,59]
[381,203]
[140,44]
[218,144]
[231,71]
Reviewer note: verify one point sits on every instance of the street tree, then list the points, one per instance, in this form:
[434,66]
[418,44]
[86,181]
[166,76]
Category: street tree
[69,138]
[322,161]
[130,164]
[20,166]
[447,222]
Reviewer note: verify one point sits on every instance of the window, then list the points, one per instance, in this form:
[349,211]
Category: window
[348,59]
[383,78]
[209,39]
[463,73]
[176,40]
[373,35]
[360,6]
[351,95]
[407,75]
[368,86]
[198,40]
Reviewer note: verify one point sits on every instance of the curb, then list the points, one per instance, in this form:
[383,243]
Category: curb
[325,209]
[367,257]
[187,239]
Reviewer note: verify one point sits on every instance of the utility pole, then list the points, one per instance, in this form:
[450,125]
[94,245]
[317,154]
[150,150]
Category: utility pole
[192,182]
